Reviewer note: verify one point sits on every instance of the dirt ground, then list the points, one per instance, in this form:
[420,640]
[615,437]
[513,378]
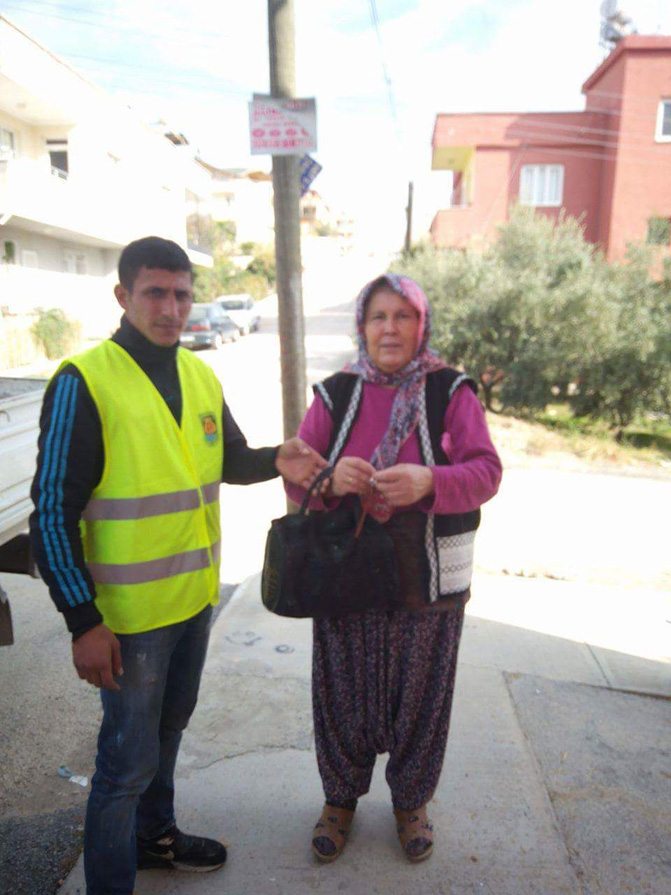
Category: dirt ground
[527,445]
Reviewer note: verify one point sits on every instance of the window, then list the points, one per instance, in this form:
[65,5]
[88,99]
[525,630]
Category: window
[542,185]
[29,258]
[663,134]
[58,156]
[659,231]
[75,262]
[7,144]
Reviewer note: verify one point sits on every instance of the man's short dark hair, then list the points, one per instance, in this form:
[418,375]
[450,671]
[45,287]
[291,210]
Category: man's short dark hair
[152,252]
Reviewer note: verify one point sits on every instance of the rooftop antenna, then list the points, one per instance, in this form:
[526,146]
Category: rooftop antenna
[614,25]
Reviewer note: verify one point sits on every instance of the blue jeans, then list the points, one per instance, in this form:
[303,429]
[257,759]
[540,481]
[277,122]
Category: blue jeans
[132,790]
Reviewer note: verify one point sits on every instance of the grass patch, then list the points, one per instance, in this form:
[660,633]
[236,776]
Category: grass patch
[654,440]
[558,439]
[647,439]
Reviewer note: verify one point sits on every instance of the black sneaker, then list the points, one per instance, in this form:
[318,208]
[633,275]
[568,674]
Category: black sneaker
[175,850]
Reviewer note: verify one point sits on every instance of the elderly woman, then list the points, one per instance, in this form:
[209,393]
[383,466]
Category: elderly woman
[407,435]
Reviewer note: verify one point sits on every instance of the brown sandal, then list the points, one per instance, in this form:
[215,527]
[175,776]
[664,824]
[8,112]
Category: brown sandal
[330,833]
[415,833]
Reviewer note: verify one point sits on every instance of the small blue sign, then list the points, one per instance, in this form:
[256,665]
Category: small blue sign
[309,169]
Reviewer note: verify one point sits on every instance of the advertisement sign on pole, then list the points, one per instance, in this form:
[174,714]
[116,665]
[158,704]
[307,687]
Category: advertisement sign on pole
[282,126]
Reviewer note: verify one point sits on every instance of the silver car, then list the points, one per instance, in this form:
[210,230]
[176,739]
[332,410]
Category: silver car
[242,311]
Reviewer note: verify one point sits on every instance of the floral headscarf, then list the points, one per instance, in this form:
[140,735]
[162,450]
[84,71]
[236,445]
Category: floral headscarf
[408,381]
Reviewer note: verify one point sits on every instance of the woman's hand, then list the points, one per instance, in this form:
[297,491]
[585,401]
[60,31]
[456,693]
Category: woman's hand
[351,475]
[405,483]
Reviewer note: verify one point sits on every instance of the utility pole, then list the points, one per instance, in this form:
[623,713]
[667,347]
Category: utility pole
[408,212]
[287,224]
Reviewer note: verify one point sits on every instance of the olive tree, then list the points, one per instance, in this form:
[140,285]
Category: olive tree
[541,315]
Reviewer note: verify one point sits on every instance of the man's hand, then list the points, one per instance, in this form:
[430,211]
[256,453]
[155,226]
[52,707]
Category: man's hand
[298,463]
[404,483]
[97,657]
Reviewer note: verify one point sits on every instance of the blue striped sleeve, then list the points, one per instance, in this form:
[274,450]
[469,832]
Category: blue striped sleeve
[62,486]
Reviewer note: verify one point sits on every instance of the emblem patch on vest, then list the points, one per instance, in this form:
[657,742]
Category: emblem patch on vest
[210,431]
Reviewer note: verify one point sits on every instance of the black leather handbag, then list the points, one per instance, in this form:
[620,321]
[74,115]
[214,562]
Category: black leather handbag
[329,563]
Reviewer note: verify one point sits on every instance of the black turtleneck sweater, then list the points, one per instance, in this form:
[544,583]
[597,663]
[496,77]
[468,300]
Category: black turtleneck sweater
[70,464]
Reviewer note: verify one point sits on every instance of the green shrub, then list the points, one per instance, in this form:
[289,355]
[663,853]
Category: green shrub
[57,334]
[542,316]
[225,232]
[225,278]
[263,264]
[659,231]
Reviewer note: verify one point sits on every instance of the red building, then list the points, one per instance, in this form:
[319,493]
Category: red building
[610,165]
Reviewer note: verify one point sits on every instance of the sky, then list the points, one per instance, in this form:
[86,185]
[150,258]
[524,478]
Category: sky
[196,64]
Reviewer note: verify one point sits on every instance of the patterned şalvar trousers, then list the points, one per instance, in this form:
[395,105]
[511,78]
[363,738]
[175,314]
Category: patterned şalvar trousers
[383,682]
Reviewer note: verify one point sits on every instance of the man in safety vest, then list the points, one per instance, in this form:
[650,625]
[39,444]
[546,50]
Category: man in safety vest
[135,441]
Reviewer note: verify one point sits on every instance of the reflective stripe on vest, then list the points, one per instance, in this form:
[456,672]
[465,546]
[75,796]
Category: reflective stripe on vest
[166,567]
[143,507]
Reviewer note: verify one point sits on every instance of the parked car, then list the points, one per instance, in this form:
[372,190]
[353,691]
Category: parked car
[208,326]
[242,311]
[20,405]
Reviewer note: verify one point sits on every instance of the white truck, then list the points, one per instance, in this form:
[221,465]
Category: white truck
[20,403]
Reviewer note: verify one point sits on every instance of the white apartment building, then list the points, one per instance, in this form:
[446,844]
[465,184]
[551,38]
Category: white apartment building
[245,198]
[81,176]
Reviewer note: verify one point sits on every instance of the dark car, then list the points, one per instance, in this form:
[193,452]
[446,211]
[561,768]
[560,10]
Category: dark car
[208,326]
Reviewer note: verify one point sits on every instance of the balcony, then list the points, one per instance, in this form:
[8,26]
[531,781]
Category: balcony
[107,211]
[455,226]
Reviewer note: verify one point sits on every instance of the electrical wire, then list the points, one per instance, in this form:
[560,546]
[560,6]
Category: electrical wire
[123,28]
[527,129]
[198,79]
[653,150]
[508,183]
[217,35]
[506,186]
[614,95]
[568,133]
[385,72]
[564,151]
[524,119]
[564,125]
[209,35]
[574,149]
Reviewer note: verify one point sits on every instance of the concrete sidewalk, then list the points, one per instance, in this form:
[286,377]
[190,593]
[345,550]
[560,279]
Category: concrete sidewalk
[557,777]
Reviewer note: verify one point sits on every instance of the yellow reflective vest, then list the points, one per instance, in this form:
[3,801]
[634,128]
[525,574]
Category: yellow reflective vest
[151,530]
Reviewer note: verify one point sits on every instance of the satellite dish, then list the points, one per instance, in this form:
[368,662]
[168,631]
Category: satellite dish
[614,24]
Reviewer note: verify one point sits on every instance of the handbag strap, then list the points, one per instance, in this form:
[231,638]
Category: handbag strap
[325,474]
